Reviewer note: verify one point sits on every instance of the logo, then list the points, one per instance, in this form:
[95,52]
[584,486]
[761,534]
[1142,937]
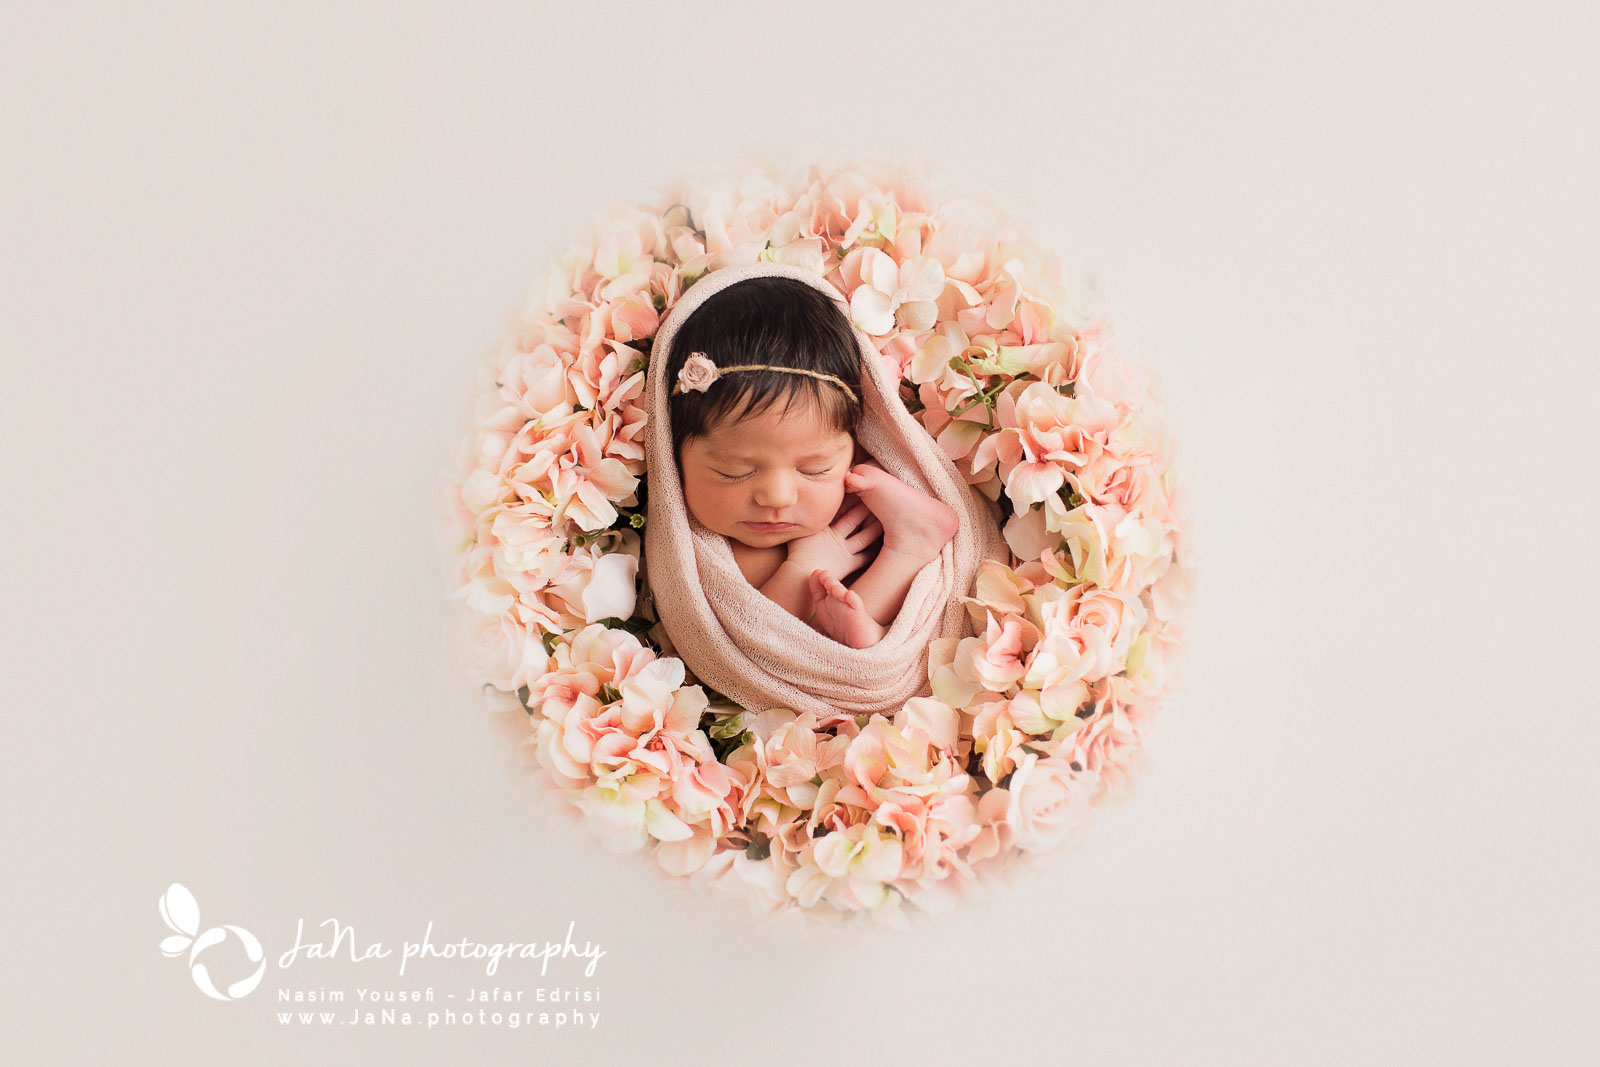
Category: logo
[181,913]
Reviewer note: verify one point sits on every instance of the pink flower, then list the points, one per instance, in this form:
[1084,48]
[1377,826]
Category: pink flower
[844,206]
[1048,800]
[536,382]
[1113,377]
[653,700]
[696,374]
[757,884]
[962,230]
[735,209]
[998,590]
[633,317]
[997,739]
[931,363]
[1028,537]
[588,498]
[625,818]
[593,585]
[993,660]
[1052,709]
[932,834]
[850,868]
[1132,483]
[995,835]
[795,754]
[623,257]
[887,759]
[1111,740]
[893,294]
[1087,532]
[1087,630]
[503,653]
[938,720]
[687,855]
[526,547]
[699,790]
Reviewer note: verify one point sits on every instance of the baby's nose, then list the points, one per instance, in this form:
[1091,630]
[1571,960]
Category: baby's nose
[776,491]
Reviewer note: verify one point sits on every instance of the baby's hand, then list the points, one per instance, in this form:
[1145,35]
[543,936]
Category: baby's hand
[840,548]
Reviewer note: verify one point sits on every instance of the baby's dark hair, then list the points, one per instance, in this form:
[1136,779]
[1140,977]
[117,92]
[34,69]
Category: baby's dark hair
[783,322]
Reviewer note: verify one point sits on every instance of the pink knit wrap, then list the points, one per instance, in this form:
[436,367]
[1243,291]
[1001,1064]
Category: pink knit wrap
[735,640]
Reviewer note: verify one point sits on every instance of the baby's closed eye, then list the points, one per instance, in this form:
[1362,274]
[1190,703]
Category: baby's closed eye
[732,477]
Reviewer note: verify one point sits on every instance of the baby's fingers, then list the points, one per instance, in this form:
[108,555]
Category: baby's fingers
[863,537]
[851,519]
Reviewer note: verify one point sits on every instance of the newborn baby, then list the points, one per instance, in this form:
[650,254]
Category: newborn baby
[765,400]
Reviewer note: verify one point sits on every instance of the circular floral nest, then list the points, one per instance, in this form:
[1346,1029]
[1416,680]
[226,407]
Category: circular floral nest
[1031,721]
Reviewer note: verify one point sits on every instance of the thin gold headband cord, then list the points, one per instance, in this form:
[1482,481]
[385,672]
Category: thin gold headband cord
[698,372]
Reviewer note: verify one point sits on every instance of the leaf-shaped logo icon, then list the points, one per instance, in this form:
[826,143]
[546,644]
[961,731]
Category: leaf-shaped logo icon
[180,910]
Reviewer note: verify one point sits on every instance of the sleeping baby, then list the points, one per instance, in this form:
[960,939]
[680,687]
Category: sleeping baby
[765,402]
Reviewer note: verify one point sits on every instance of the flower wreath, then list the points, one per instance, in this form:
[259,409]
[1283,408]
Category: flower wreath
[1031,721]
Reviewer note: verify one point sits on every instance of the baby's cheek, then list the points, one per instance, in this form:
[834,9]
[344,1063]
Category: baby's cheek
[694,500]
[833,502]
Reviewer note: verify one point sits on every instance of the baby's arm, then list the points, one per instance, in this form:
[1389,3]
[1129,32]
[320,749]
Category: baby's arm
[789,588]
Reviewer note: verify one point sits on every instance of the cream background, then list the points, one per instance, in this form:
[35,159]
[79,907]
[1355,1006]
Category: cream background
[252,251]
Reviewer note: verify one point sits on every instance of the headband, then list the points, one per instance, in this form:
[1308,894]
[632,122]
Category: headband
[698,372]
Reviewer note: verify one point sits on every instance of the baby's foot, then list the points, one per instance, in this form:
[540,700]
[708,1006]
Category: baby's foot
[914,524]
[840,613]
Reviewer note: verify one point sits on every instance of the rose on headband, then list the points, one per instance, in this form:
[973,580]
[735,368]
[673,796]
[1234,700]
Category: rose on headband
[696,373]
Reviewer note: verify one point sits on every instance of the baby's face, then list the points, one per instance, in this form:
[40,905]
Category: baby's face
[768,479]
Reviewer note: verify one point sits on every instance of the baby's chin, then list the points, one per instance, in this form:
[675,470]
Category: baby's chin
[771,539]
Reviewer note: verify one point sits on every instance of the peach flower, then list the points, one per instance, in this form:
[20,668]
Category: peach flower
[625,816]
[961,229]
[892,294]
[938,720]
[997,739]
[1087,631]
[686,855]
[1047,801]
[993,661]
[503,653]
[850,868]
[594,585]
[536,382]
[794,755]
